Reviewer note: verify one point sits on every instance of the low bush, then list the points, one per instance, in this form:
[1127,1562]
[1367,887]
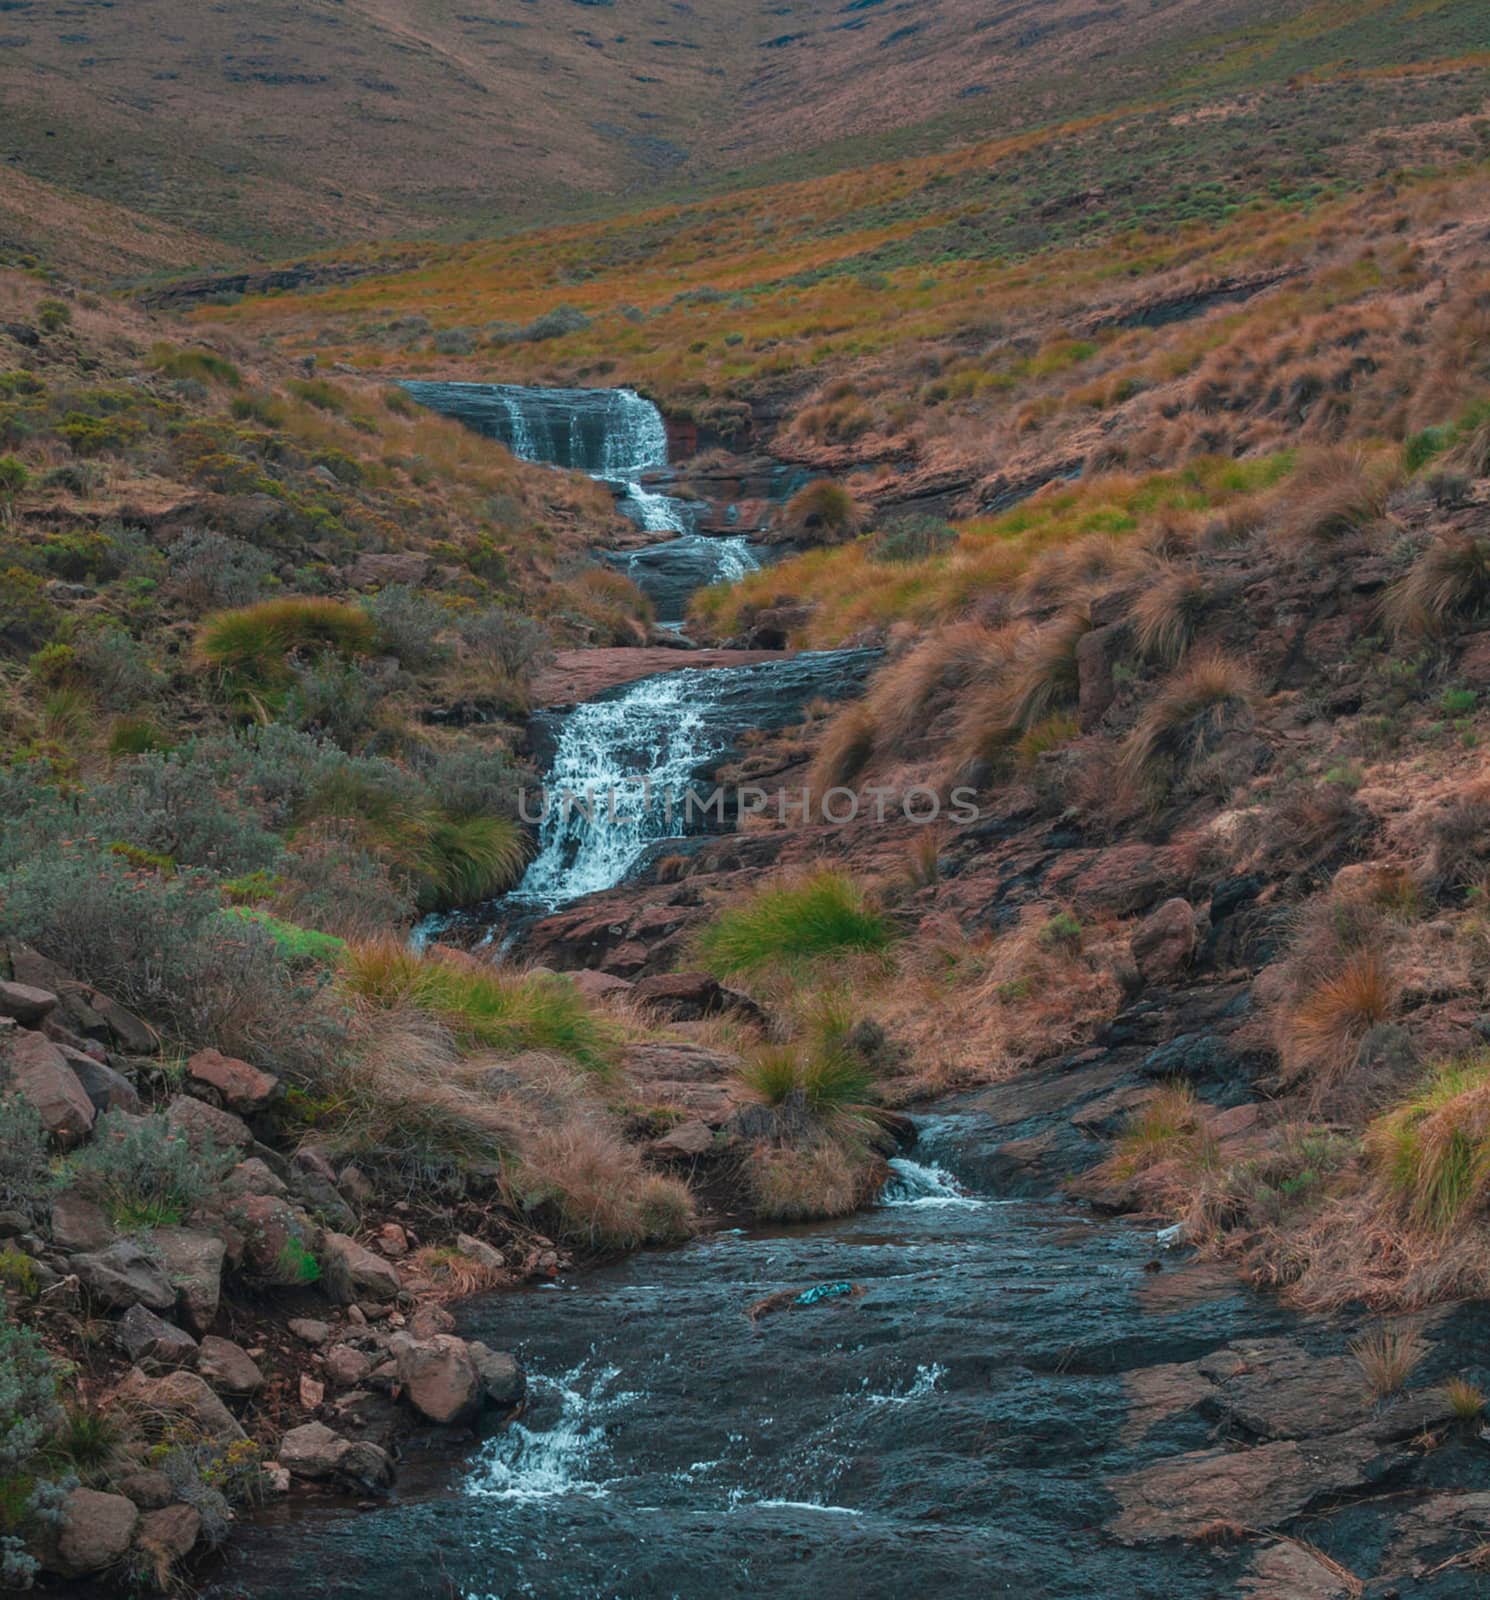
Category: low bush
[28,1414]
[410,625]
[161,946]
[1449,584]
[209,570]
[1166,613]
[827,1081]
[911,538]
[825,914]
[145,1173]
[25,1176]
[1333,494]
[1320,1034]
[792,1183]
[1388,1358]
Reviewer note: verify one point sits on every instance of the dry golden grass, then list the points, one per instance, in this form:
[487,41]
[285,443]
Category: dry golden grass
[455,1275]
[1208,699]
[846,748]
[1449,584]
[1319,1035]
[1465,1399]
[1166,612]
[1388,1357]
[792,1183]
[1334,494]
[591,1187]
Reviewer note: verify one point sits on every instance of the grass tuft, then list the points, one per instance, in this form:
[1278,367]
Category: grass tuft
[484,1007]
[825,914]
[1388,1358]
[1434,1148]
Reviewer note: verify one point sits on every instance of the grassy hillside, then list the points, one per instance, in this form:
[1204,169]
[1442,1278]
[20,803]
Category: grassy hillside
[278,127]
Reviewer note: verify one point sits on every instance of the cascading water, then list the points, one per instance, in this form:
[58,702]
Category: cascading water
[613,434]
[671,572]
[623,763]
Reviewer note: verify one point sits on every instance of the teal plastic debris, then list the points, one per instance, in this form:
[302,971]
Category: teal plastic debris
[823,1291]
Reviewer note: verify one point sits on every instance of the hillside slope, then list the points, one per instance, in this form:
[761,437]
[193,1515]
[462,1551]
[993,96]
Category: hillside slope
[280,126]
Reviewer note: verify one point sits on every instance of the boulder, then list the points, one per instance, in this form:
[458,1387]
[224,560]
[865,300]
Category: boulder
[310,1331]
[240,1087]
[126,1031]
[228,1367]
[351,1272]
[194,1264]
[96,1531]
[480,1252]
[312,1450]
[692,996]
[688,1139]
[37,1069]
[430,1320]
[1163,944]
[78,1224]
[107,1089]
[366,1465]
[186,1395]
[26,1004]
[503,1382]
[438,1376]
[202,1123]
[392,1241]
[599,985]
[147,1337]
[254,1177]
[346,1366]
[169,1535]
[149,1490]
[122,1275]
[275,1234]
[409,567]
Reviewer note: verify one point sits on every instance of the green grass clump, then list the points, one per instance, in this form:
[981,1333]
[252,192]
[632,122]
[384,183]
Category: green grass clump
[822,915]
[203,365]
[249,646]
[484,1008]
[1433,1150]
[295,942]
[825,1081]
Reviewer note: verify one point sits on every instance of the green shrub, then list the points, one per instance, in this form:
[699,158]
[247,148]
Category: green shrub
[53,314]
[161,947]
[138,736]
[209,569]
[822,915]
[911,538]
[146,1174]
[824,510]
[296,1263]
[206,366]
[28,1413]
[409,626]
[24,1174]
[249,646]
[14,476]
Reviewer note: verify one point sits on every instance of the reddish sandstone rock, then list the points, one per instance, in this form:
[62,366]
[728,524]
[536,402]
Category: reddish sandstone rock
[38,1070]
[242,1088]
[96,1530]
[438,1376]
[1164,942]
[27,1005]
[351,1272]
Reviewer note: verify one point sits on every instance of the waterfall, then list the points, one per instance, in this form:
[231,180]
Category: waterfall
[623,764]
[613,434]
